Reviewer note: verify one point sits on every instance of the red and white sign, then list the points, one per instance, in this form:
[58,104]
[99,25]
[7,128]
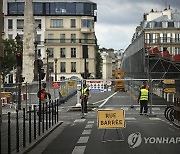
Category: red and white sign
[55,85]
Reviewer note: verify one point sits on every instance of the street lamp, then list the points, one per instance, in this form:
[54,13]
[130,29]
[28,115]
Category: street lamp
[55,60]
[47,70]
[19,71]
[35,64]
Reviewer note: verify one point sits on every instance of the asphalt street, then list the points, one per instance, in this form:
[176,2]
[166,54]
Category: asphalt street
[142,134]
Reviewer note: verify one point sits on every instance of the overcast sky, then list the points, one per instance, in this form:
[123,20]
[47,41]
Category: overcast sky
[117,19]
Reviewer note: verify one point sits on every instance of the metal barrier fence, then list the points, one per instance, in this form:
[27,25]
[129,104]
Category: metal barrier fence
[24,127]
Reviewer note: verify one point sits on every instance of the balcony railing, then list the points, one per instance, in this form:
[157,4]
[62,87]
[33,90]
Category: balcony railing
[80,41]
[163,40]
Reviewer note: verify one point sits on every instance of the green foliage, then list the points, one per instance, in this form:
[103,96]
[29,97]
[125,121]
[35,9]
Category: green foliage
[9,60]
[98,65]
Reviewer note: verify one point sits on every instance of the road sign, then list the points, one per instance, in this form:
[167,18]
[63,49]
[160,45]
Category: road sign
[170,90]
[71,84]
[5,94]
[55,85]
[168,81]
[111,119]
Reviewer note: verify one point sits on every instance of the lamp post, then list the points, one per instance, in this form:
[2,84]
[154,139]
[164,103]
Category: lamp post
[47,69]
[19,72]
[35,64]
[1,56]
[55,60]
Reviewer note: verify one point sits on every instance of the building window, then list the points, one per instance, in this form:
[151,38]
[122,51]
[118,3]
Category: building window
[177,38]
[73,66]
[73,52]
[50,37]
[63,67]
[51,67]
[10,24]
[62,38]
[38,8]
[73,38]
[165,24]
[170,24]
[20,23]
[177,24]
[10,36]
[38,38]
[56,23]
[38,24]
[51,52]
[158,24]
[62,52]
[73,23]
[87,23]
[151,24]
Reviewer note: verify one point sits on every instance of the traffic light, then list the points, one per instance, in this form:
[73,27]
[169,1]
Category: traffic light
[22,78]
[85,51]
[85,76]
[42,74]
[19,59]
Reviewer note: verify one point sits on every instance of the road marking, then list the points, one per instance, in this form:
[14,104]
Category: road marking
[79,150]
[86,132]
[89,126]
[107,99]
[125,108]
[130,118]
[90,122]
[79,120]
[83,139]
[156,109]
[154,119]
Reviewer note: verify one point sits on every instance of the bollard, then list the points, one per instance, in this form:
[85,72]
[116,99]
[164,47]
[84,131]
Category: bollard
[52,113]
[9,132]
[24,127]
[46,115]
[29,124]
[17,131]
[39,123]
[43,118]
[55,112]
[49,114]
[34,121]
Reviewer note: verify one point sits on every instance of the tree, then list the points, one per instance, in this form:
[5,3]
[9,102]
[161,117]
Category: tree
[98,65]
[9,60]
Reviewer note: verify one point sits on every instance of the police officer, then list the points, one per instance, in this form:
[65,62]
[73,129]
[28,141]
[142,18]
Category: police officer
[143,100]
[84,98]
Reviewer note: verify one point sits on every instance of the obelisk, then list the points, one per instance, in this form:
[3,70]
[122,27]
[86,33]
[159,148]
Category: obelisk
[28,44]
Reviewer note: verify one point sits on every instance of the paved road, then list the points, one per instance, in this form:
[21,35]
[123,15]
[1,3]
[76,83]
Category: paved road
[142,134]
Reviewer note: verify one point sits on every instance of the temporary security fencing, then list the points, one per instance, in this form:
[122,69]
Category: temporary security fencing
[24,127]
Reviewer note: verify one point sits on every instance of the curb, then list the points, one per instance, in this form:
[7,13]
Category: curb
[30,146]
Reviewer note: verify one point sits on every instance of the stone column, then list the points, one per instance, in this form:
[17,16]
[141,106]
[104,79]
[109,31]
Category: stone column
[28,44]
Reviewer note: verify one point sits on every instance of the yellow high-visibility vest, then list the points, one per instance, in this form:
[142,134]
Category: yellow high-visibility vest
[144,94]
[84,91]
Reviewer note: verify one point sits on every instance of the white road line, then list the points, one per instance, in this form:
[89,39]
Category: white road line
[107,99]
[90,122]
[79,120]
[154,119]
[125,108]
[79,150]
[89,126]
[86,132]
[83,139]
[130,118]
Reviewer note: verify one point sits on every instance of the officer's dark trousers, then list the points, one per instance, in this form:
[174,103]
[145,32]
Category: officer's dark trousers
[84,105]
[143,105]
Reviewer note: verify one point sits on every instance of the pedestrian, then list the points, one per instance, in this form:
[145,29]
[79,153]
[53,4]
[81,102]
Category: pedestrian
[145,84]
[84,98]
[143,100]
[43,94]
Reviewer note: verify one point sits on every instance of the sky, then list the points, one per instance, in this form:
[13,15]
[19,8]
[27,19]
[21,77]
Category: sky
[118,19]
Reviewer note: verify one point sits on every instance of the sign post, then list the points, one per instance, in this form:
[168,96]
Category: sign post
[111,119]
